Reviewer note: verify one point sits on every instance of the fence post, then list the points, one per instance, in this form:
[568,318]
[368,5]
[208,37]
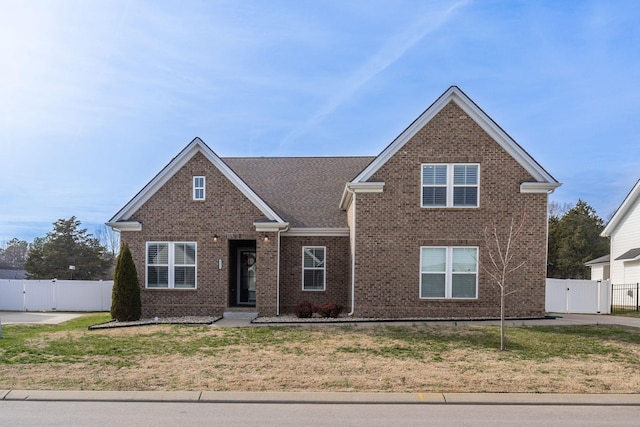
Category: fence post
[611,302]
[637,299]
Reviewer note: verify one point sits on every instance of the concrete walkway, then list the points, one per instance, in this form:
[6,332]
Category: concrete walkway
[43,318]
[325,398]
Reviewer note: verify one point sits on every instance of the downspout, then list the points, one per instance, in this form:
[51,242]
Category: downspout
[278,272]
[546,247]
[353,255]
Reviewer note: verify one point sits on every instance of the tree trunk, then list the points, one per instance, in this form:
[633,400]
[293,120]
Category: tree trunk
[502,346]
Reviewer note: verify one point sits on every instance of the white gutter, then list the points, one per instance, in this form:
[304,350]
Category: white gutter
[353,254]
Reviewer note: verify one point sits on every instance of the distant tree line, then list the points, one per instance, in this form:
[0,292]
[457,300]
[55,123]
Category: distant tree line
[69,252]
[574,239]
[13,254]
[66,252]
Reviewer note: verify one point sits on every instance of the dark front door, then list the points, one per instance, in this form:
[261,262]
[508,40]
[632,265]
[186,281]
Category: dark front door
[246,276]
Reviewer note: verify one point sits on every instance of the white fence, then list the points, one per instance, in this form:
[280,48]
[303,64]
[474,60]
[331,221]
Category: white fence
[61,295]
[578,296]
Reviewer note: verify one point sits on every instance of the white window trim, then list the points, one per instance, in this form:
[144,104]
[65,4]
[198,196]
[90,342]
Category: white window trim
[324,269]
[171,265]
[203,188]
[450,185]
[448,286]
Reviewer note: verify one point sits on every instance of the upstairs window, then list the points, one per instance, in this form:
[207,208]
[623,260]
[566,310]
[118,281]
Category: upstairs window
[450,185]
[313,268]
[198,187]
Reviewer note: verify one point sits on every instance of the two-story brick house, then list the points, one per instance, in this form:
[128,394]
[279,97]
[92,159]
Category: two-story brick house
[399,235]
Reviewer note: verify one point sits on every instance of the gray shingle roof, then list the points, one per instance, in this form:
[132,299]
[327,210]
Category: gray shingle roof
[630,254]
[601,260]
[6,273]
[305,191]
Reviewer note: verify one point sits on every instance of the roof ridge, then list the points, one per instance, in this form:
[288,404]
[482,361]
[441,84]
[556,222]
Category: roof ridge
[298,157]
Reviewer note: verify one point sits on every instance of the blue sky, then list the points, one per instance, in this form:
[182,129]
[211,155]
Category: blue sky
[97,97]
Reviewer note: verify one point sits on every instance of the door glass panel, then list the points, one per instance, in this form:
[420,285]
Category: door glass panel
[247,277]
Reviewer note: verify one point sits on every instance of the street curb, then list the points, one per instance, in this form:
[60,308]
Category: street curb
[325,398]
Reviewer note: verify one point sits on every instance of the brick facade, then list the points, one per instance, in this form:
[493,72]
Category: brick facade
[391,226]
[338,272]
[172,215]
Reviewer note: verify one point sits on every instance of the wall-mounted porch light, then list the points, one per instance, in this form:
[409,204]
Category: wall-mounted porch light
[215,238]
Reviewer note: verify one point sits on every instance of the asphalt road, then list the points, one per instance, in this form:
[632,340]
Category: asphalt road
[20,413]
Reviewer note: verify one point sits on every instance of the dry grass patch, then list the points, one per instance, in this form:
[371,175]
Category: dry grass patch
[419,358]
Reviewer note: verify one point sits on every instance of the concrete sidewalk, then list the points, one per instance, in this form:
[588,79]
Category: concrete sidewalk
[325,398]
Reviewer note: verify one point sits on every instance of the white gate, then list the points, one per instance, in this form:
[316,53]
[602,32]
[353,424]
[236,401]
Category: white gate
[578,296]
[61,295]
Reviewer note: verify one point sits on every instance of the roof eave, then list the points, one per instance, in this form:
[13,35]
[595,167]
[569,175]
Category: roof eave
[359,187]
[539,187]
[456,95]
[195,146]
[622,210]
[125,225]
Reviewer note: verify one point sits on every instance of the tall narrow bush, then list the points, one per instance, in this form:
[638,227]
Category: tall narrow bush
[125,298]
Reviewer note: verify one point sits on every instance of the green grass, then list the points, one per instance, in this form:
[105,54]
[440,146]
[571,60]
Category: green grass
[31,344]
[524,343]
[313,357]
[625,312]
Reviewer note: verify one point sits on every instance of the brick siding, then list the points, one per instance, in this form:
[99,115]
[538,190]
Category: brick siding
[391,226]
[338,268]
[172,215]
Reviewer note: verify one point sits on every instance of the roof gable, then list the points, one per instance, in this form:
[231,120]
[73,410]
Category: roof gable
[195,146]
[455,94]
[627,204]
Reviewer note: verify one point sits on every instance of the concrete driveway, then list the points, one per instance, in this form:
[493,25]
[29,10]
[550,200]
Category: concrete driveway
[43,318]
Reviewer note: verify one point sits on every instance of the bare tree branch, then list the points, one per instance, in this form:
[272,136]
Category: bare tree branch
[501,253]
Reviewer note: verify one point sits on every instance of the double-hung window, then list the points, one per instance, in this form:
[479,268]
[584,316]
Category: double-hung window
[314,268]
[450,185]
[198,188]
[449,272]
[171,265]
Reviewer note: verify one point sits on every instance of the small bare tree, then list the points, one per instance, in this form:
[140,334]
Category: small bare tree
[109,238]
[501,249]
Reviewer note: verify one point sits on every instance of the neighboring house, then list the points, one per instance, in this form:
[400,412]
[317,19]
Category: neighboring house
[624,231]
[11,273]
[399,235]
[600,268]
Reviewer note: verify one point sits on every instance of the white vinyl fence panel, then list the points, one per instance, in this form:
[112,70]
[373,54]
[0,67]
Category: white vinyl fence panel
[61,295]
[578,296]
[12,295]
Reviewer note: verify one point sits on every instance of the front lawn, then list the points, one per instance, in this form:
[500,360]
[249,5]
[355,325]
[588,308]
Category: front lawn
[365,357]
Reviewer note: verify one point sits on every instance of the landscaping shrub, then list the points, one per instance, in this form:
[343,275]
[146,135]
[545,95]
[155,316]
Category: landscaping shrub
[125,297]
[329,309]
[304,310]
